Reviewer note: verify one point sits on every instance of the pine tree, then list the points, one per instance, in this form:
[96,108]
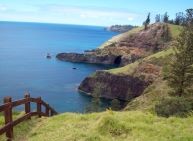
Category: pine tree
[189,16]
[165,18]
[147,21]
[181,74]
[157,18]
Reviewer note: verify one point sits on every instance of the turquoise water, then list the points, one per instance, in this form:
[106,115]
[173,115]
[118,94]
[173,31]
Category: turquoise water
[24,67]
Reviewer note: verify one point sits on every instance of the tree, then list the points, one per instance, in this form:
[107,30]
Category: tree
[165,18]
[95,105]
[180,77]
[180,18]
[189,16]
[171,21]
[147,21]
[157,18]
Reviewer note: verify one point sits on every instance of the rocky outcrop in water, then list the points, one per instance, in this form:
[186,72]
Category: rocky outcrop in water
[87,58]
[106,56]
[112,86]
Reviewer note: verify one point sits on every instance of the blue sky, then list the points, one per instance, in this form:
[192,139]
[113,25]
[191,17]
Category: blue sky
[88,12]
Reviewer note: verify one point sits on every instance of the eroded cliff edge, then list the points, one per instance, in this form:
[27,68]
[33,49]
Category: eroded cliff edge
[112,86]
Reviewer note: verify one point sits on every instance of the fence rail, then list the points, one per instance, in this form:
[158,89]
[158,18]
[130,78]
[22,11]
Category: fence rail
[8,105]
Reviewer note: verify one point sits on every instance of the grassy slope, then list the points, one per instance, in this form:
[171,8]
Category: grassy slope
[21,130]
[175,30]
[159,89]
[120,36]
[112,126]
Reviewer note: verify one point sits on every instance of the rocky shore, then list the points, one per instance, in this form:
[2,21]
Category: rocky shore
[107,56]
[87,58]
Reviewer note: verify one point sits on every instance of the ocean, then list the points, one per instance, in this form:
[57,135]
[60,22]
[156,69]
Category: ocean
[24,66]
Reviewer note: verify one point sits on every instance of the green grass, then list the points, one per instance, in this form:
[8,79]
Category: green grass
[21,130]
[126,70]
[150,97]
[161,54]
[112,126]
[175,30]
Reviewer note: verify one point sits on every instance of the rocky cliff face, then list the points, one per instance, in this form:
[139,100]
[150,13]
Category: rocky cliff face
[107,56]
[112,86]
[87,58]
[121,86]
[123,50]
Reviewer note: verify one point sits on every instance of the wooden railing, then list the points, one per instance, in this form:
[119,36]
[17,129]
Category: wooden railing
[8,105]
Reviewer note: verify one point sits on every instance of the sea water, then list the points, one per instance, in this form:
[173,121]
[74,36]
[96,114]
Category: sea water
[25,68]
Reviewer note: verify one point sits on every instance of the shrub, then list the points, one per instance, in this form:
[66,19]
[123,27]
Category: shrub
[174,107]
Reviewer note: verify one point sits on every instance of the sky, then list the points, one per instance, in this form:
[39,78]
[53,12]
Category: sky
[89,12]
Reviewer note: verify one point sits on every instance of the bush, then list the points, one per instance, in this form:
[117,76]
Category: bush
[176,106]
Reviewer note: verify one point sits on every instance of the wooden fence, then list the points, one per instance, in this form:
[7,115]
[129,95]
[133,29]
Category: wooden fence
[8,105]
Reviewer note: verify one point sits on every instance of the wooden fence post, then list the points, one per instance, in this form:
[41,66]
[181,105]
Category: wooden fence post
[8,117]
[52,113]
[47,110]
[39,107]
[27,105]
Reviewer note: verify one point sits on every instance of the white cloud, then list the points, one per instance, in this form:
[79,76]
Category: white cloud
[99,14]
[130,18]
[67,14]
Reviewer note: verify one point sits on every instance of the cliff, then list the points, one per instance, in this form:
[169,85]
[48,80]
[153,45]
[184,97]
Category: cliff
[106,56]
[125,48]
[87,58]
[112,86]
[137,53]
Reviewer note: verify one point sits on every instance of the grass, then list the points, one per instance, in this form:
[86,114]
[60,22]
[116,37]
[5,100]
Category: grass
[126,70]
[161,54]
[112,126]
[175,30]
[151,96]
[21,130]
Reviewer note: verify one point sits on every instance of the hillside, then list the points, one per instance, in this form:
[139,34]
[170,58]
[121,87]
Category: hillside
[135,77]
[106,126]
